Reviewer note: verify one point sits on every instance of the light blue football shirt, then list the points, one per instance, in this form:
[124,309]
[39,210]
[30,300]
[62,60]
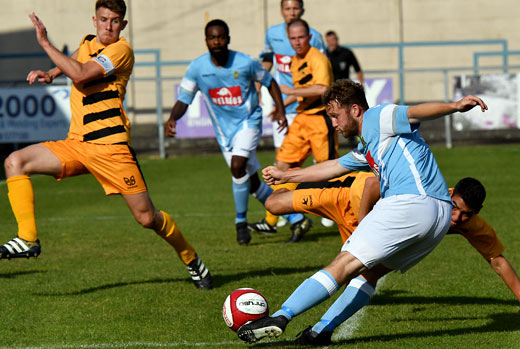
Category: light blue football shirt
[229,93]
[397,154]
[278,48]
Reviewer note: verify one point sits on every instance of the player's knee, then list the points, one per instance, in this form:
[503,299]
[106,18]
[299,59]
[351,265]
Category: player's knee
[274,205]
[13,163]
[147,220]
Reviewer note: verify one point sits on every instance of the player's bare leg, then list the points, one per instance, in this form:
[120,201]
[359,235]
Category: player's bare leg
[163,224]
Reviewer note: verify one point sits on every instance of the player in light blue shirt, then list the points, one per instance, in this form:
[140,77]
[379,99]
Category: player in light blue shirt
[277,53]
[226,80]
[411,218]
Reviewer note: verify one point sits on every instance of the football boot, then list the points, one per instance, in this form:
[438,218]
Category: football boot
[20,248]
[262,227]
[309,337]
[264,327]
[299,229]
[200,274]
[243,234]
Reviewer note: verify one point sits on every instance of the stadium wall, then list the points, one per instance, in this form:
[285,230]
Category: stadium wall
[175,27]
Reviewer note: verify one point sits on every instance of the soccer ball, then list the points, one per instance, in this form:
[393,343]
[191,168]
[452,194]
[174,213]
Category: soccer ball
[242,306]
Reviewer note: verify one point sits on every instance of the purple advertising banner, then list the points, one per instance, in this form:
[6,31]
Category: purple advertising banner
[196,123]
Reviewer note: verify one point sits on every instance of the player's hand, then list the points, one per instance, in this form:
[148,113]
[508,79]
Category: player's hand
[272,175]
[39,75]
[279,117]
[169,128]
[285,89]
[469,102]
[41,31]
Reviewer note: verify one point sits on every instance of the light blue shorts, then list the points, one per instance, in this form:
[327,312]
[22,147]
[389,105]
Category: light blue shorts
[400,231]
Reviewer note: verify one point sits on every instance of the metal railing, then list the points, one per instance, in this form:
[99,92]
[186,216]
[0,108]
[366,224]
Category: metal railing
[158,77]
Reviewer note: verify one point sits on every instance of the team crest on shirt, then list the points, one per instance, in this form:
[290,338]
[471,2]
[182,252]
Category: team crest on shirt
[235,74]
[373,165]
[283,63]
[307,200]
[226,96]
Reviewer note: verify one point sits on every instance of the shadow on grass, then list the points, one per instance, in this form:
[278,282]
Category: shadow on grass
[281,236]
[218,280]
[392,297]
[499,322]
[19,273]
[109,286]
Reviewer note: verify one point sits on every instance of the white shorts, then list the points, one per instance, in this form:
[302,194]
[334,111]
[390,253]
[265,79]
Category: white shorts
[244,145]
[400,231]
[278,136]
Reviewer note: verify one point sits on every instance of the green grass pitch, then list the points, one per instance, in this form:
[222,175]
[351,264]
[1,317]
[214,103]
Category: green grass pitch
[103,281]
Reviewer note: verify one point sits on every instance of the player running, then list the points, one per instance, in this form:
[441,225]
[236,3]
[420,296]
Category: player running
[311,130]
[408,222]
[98,139]
[227,79]
[278,54]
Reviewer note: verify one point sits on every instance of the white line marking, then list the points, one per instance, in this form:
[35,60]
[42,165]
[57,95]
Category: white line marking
[347,329]
[136,344]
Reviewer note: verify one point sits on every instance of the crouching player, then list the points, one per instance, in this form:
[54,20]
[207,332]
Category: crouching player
[341,200]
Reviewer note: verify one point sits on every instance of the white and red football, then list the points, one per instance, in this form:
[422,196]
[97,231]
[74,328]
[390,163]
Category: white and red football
[244,305]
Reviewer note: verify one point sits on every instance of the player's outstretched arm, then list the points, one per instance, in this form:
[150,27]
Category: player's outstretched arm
[278,114]
[76,71]
[177,112]
[504,269]
[316,173]
[430,111]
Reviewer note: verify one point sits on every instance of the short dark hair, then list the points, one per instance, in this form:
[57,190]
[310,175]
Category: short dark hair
[331,32]
[299,22]
[300,1]
[346,92]
[117,6]
[216,23]
[472,192]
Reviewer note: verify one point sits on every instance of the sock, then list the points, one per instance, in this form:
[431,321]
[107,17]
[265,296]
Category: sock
[241,196]
[294,217]
[174,237]
[356,296]
[311,292]
[263,192]
[21,197]
[272,219]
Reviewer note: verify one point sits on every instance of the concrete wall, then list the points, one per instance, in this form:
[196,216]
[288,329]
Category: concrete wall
[176,28]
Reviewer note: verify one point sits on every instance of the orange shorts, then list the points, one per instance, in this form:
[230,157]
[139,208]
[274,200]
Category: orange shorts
[309,134]
[114,165]
[337,199]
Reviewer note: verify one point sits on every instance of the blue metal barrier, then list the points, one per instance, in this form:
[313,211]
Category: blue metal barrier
[504,54]
[401,45]
[158,78]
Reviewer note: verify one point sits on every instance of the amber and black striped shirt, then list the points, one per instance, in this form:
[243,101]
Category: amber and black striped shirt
[98,115]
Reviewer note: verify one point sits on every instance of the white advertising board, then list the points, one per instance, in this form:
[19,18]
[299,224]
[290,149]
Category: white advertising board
[34,114]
